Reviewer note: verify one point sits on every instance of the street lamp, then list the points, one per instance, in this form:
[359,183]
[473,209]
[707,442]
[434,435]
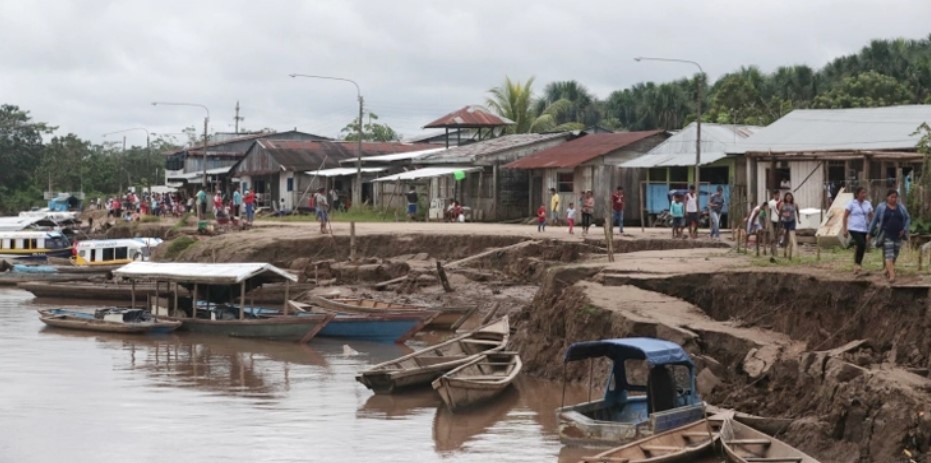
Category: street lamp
[698,120]
[206,120]
[148,146]
[357,187]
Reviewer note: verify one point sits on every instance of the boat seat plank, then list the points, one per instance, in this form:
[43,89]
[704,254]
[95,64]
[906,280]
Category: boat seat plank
[698,435]
[750,441]
[659,448]
[605,460]
[481,341]
[479,378]
[427,360]
[773,459]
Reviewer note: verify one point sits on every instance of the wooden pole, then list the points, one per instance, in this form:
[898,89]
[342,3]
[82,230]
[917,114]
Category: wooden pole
[133,292]
[609,239]
[194,302]
[643,212]
[441,274]
[352,241]
[242,300]
[287,295]
[176,299]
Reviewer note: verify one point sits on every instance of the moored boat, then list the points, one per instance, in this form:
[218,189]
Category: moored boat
[130,321]
[220,284]
[479,380]
[683,444]
[33,245]
[423,366]
[667,400]
[446,318]
[743,444]
[379,327]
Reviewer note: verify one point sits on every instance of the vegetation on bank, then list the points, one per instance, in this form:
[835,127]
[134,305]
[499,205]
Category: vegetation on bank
[355,214]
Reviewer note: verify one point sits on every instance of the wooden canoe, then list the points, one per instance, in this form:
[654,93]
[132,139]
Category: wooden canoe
[743,444]
[682,444]
[395,327]
[447,317]
[479,380]
[274,327]
[86,321]
[423,366]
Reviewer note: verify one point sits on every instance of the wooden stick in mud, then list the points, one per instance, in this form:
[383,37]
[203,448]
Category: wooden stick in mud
[352,241]
[609,239]
[490,315]
[489,252]
[441,274]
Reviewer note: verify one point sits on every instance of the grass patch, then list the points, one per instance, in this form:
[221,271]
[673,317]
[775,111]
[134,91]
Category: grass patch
[150,219]
[356,214]
[841,260]
[178,245]
[184,221]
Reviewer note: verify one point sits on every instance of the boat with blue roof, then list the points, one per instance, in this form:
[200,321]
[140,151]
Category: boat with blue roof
[651,388]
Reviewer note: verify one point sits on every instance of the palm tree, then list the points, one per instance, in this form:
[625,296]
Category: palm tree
[514,101]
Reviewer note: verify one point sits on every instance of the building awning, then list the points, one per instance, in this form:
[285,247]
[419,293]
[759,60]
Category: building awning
[189,272]
[426,172]
[200,173]
[341,171]
[387,158]
[672,160]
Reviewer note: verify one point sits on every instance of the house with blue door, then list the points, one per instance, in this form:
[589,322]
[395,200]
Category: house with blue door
[670,167]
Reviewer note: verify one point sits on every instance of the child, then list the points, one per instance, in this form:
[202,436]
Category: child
[570,217]
[677,211]
[541,218]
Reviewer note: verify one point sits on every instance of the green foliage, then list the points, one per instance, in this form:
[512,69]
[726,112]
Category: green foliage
[371,131]
[184,221]
[866,90]
[178,245]
[514,100]
[918,200]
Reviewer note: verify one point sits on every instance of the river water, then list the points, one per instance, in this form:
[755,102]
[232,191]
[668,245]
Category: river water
[71,396]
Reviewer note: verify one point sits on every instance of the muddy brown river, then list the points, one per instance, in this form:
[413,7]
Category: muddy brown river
[83,397]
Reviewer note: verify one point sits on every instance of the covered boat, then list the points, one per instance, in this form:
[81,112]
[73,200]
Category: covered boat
[33,245]
[220,284]
[479,380]
[425,365]
[659,373]
[111,320]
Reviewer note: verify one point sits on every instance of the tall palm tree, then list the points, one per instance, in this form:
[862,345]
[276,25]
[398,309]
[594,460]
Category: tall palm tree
[514,101]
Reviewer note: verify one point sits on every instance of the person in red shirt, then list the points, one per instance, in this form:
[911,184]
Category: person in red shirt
[617,205]
[541,218]
[249,201]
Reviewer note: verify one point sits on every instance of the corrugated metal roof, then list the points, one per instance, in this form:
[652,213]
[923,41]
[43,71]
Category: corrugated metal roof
[470,153]
[426,172]
[191,272]
[679,150]
[856,129]
[580,150]
[198,148]
[394,157]
[299,155]
[473,116]
[341,171]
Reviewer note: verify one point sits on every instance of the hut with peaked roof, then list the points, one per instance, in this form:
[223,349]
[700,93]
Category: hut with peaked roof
[473,117]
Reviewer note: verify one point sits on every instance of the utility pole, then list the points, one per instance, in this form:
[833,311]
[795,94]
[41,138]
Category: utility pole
[237,118]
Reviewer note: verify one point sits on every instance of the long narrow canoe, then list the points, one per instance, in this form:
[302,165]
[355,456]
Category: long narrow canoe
[683,444]
[385,327]
[276,327]
[110,323]
[423,366]
[743,444]
[479,380]
[447,317]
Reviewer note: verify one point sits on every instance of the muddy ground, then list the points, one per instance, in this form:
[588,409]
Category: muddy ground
[848,359]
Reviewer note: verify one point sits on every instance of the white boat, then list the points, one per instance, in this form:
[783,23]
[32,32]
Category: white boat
[479,380]
[116,252]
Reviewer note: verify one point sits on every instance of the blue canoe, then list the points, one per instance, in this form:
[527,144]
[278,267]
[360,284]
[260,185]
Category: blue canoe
[380,327]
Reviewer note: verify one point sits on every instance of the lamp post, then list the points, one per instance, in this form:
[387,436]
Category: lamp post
[701,76]
[206,120]
[148,143]
[357,186]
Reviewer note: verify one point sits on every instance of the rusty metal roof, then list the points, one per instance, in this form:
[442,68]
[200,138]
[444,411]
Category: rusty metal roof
[470,117]
[300,155]
[580,150]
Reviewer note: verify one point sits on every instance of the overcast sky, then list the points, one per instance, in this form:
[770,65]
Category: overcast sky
[92,67]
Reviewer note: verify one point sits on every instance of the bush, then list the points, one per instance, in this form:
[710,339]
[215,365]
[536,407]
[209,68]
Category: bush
[150,219]
[178,245]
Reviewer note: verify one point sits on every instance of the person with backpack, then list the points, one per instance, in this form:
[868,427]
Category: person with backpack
[889,228]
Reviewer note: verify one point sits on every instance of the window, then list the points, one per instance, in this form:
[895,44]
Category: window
[31,244]
[290,184]
[120,253]
[108,254]
[679,174]
[778,179]
[564,182]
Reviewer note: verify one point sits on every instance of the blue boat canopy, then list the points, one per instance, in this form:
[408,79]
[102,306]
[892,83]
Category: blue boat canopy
[654,351]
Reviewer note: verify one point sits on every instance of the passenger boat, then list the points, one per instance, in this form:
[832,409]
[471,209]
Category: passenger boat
[684,444]
[384,327]
[112,253]
[423,366]
[447,317]
[668,400]
[113,320]
[743,444]
[218,284]
[33,245]
[479,380]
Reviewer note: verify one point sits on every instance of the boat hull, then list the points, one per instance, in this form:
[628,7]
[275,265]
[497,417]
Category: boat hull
[743,444]
[378,329]
[683,444]
[479,381]
[92,324]
[445,318]
[283,328]
[576,427]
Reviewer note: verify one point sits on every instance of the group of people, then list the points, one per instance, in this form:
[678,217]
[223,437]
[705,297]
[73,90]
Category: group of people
[587,206]
[775,221]
[131,206]
[686,214]
[225,208]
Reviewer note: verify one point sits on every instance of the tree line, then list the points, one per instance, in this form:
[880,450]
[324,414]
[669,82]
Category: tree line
[885,72]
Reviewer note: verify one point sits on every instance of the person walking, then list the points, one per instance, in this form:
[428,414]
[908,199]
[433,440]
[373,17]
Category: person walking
[411,203]
[617,206]
[677,211]
[772,227]
[889,227]
[788,219]
[857,216]
[201,204]
[249,201]
[541,218]
[588,208]
[554,206]
[322,208]
[570,217]
[691,211]
[715,208]
[237,203]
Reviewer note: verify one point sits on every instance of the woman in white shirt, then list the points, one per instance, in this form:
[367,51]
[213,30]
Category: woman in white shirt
[857,215]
